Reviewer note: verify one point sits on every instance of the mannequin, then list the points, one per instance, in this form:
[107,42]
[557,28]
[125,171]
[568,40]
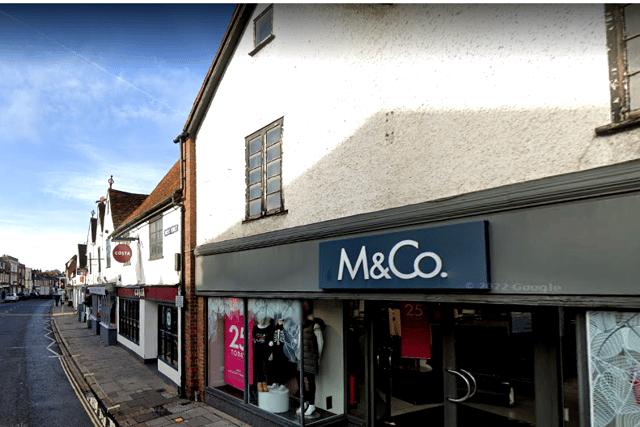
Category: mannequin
[313,344]
[277,368]
[262,352]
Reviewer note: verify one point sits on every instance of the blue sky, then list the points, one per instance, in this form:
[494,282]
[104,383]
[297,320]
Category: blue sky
[88,91]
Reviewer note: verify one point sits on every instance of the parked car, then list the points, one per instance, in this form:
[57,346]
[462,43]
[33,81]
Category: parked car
[11,298]
[34,295]
[22,296]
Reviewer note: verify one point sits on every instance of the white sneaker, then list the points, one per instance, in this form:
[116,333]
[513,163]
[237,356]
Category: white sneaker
[299,410]
[310,410]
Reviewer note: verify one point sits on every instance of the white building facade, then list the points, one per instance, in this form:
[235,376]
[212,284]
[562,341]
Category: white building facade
[148,293]
[420,213]
[11,266]
[132,279]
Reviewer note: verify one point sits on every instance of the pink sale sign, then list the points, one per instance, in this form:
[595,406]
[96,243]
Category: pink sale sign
[416,331]
[234,351]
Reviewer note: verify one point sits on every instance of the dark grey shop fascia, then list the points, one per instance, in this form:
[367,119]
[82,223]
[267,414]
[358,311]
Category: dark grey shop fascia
[572,234]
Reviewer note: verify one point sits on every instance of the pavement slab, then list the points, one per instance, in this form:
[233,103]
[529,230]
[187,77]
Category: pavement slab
[133,393]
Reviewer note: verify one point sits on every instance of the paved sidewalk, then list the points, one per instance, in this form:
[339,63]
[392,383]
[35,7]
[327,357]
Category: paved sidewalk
[132,393]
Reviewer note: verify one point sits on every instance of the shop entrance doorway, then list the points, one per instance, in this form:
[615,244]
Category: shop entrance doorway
[452,366]
[408,376]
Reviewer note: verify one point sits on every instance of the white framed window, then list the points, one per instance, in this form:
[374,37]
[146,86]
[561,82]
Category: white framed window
[108,253]
[155,238]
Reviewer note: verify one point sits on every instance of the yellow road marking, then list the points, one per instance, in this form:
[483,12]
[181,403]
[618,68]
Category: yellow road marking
[21,314]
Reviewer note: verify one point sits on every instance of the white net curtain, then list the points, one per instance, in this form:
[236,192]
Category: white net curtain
[220,307]
[614,368]
[288,310]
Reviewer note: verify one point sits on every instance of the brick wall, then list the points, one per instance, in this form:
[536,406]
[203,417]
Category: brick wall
[195,313]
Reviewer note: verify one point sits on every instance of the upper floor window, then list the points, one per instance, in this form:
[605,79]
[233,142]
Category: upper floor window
[262,30]
[264,171]
[108,253]
[263,26]
[623,39]
[155,238]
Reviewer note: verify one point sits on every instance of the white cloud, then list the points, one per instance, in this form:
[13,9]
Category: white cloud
[78,125]
[46,251]
[90,185]
[17,118]
[38,240]
[79,94]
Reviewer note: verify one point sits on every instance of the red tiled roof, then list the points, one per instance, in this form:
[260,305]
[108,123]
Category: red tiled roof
[101,211]
[169,184]
[82,251]
[122,204]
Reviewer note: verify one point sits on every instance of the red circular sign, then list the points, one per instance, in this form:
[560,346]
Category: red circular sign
[122,253]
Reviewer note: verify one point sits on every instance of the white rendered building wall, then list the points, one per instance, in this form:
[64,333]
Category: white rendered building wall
[390,105]
[149,328]
[142,270]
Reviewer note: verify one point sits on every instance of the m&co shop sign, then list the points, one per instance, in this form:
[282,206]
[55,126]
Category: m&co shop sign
[447,257]
[122,253]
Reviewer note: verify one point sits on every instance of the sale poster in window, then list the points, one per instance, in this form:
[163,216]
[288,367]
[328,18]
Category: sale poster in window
[415,331]
[234,351]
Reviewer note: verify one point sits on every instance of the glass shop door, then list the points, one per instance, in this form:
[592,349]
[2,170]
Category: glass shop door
[408,376]
[493,366]
[436,365]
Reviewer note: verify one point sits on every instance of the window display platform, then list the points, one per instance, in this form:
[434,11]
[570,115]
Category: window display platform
[275,400]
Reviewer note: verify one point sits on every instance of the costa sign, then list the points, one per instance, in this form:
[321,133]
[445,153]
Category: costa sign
[122,253]
[448,257]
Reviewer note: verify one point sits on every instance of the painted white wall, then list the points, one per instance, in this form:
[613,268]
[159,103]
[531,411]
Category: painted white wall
[149,329]
[391,105]
[169,372]
[144,271]
[92,256]
[148,347]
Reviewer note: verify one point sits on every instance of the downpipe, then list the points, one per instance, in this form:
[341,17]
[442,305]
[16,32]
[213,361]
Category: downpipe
[183,376]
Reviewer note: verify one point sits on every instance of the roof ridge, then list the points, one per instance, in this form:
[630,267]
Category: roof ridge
[165,188]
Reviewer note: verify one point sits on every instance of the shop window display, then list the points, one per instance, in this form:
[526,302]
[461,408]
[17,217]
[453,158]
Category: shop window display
[321,362]
[289,342]
[226,345]
[274,349]
[614,368]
